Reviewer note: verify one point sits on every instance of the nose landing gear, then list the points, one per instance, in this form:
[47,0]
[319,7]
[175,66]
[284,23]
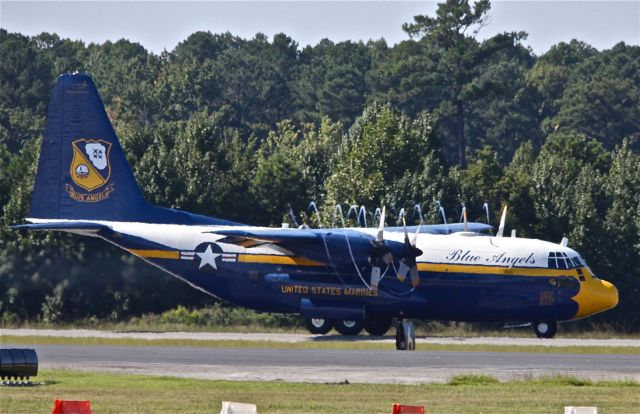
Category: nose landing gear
[405,336]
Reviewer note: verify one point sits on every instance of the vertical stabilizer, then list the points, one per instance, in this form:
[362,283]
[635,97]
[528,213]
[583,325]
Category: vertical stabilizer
[82,171]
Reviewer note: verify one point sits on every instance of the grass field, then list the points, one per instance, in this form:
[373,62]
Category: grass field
[52,340]
[111,393]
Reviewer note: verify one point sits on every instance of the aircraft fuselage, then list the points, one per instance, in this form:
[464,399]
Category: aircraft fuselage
[462,276]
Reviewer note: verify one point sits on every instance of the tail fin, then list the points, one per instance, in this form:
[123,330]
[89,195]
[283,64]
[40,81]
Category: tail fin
[82,172]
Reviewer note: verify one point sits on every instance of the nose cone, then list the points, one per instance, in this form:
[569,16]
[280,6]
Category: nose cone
[595,296]
[608,295]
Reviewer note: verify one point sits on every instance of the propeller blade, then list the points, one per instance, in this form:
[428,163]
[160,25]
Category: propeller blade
[387,258]
[503,219]
[380,252]
[464,214]
[381,226]
[375,277]
[415,236]
[415,276]
[402,271]
[404,224]
[408,261]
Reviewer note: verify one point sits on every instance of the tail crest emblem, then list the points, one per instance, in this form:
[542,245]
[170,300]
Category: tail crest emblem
[90,169]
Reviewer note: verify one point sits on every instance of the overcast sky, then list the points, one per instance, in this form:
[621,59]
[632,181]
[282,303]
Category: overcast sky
[161,25]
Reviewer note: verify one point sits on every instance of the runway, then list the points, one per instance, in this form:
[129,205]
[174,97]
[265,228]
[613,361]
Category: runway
[322,365]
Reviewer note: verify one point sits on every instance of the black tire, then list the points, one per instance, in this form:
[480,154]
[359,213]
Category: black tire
[377,326]
[400,339]
[545,329]
[348,327]
[318,326]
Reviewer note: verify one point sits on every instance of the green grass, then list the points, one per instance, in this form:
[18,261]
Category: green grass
[321,344]
[113,393]
[217,318]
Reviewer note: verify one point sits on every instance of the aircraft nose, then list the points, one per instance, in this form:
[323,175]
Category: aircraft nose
[595,296]
[608,295]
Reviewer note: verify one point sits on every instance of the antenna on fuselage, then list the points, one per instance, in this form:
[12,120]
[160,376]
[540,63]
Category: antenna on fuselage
[564,242]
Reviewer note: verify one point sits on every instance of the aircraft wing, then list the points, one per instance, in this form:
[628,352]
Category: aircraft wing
[310,243]
[444,228]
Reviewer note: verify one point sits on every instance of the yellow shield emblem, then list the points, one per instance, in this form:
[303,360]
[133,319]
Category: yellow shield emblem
[90,167]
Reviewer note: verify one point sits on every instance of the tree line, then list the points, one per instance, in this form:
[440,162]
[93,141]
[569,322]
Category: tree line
[253,129]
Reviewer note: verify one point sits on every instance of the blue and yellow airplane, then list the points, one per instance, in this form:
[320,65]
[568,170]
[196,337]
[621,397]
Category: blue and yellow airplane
[344,278]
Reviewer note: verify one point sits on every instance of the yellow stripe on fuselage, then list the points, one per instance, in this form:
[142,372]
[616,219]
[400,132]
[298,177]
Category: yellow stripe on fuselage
[282,260]
[494,270]
[156,254]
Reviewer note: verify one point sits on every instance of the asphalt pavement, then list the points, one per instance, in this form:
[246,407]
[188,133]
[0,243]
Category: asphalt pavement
[334,365]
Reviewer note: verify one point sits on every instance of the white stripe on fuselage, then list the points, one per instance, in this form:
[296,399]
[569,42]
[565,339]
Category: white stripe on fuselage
[456,248]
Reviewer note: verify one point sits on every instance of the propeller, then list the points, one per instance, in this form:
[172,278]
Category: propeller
[380,253]
[503,219]
[408,261]
[464,214]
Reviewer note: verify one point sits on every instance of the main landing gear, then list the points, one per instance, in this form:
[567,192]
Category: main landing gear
[348,327]
[318,326]
[545,329]
[374,326]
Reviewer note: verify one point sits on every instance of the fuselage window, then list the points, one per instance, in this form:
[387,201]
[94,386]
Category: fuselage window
[552,261]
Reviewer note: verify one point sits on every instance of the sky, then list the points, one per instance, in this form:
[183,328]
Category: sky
[161,25]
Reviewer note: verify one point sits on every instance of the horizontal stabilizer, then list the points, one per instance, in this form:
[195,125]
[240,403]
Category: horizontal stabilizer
[69,226]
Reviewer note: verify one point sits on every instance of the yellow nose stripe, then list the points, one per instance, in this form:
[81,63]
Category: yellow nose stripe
[595,296]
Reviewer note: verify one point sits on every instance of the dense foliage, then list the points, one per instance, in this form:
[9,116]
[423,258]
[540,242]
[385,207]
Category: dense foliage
[249,129]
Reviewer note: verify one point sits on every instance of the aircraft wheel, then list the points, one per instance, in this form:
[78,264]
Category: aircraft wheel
[405,336]
[545,329]
[318,326]
[377,326]
[348,327]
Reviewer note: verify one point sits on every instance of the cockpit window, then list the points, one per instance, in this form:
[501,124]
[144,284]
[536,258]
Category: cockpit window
[560,260]
[562,264]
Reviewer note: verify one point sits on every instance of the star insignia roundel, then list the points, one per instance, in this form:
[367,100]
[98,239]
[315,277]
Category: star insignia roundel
[208,256]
